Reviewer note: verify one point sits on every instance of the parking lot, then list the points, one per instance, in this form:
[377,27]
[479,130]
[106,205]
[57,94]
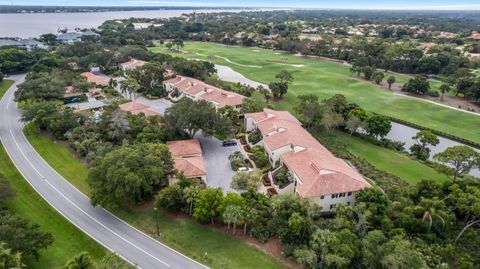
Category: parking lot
[219,173]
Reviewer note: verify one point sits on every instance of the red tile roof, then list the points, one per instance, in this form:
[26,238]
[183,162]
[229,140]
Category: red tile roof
[187,155]
[132,106]
[92,78]
[319,171]
[182,148]
[206,92]
[132,64]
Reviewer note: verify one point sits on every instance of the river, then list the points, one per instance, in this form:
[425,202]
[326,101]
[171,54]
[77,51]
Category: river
[405,133]
[27,25]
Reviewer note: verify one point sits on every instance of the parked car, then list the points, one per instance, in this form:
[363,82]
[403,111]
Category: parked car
[228,143]
[245,169]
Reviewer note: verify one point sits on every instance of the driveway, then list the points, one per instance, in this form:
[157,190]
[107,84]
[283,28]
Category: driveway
[91,104]
[219,172]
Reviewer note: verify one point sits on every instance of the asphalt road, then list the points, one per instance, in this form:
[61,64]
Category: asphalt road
[113,233]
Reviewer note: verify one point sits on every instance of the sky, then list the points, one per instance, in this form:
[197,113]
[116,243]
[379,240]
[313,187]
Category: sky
[342,4]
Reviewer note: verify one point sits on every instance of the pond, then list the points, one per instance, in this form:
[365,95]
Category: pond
[226,73]
[405,133]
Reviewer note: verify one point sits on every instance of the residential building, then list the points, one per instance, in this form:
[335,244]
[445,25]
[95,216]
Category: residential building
[72,37]
[92,78]
[195,89]
[136,108]
[475,35]
[313,171]
[132,64]
[188,159]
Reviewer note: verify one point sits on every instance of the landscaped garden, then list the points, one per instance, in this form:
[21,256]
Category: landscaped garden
[182,234]
[324,79]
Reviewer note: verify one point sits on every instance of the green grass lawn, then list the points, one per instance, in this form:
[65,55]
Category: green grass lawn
[390,161]
[68,240]
[325,79]
[181,234]
[4,85]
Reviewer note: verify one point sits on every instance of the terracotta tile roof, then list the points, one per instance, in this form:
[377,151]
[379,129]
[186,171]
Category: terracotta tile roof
[92,78]
[132,64]
[190,167]
[95,91]
[182,148]
[268,113]
[223,98]
[132,106]
[147,112]
[475,35]
[319,171]
[187,155]
[210,93]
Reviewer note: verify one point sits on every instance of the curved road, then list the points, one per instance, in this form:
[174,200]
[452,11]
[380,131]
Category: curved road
[116,235]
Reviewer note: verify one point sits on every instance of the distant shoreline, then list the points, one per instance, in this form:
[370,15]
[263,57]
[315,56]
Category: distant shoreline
[18,9]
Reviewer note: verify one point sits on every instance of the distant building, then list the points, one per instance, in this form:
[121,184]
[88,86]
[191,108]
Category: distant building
[446,35]
[28,43]
[72,37]
[475,35]
[132,64]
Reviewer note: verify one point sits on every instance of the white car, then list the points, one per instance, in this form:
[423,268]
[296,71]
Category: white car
[245,169]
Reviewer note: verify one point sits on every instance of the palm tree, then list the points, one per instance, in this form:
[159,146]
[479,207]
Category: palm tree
[190,194]
[236,156]
[433,208]
[81,261]
[233,214]
[129,85]
[9,260]
[444,88]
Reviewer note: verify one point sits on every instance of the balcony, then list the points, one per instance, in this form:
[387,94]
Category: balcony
[281,180]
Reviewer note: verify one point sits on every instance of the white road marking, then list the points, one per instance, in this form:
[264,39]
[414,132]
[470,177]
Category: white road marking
[88,215]
[25,156]
[66,217]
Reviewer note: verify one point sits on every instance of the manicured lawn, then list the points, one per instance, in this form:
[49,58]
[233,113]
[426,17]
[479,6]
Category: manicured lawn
[4,85]
[181,234]
[325,79]
[56,158]
[68,240]
[390,161]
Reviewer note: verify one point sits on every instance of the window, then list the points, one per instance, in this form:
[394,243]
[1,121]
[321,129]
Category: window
[322,197]
[341,194]
[335,195]
[349,193]
[332,206]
